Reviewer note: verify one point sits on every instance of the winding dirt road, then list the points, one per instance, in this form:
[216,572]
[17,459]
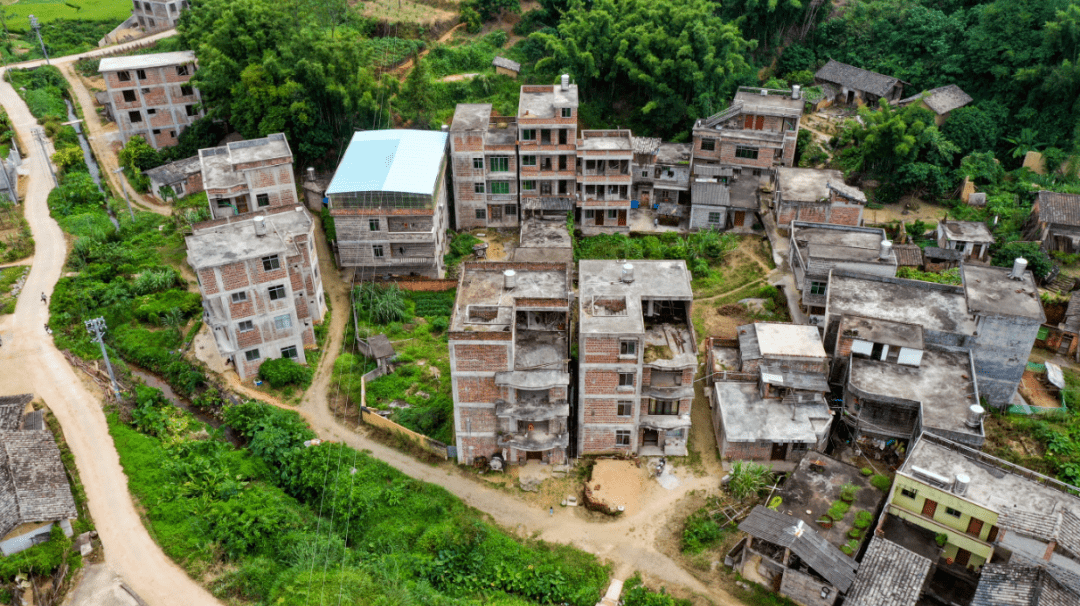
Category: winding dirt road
[30,363]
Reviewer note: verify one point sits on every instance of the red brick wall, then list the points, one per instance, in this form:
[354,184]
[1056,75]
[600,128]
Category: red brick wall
[209,282]
[262,276]
[491,358]
[483,419]
[741,451]
[727,155]
[481,446]
[605,411]
[601,382]
[308,337]
[785,214]
[234,275]
[601,350]
[597,439]
[813,214]
[241,310]
[843,347]
[248,339]
[846,215]
[478,389]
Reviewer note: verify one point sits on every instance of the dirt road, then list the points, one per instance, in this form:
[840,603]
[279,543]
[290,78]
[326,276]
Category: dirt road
[29,362]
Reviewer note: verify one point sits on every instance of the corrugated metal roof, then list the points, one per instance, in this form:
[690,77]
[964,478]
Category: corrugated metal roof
[803,541]
[112,64]
[1054,207]
[709,193]
[405,161]
[888,576]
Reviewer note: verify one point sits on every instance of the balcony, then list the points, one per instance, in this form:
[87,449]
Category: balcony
[534,440]
[527,410]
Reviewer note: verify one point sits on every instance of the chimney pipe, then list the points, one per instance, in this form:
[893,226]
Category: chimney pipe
[260,226]
[1019,265]
[565,80]
[886,250]
[627,273]
[509,279]
[974,416]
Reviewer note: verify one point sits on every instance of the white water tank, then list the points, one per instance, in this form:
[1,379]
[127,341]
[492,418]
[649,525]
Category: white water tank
[1019,266]
[961,483]
[510,279]
[565,81]
[886,250]
[974,416]
[260,226]
[796,92]
[627,273]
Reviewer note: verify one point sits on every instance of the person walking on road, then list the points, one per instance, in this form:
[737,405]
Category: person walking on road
[44,299]
[551,511]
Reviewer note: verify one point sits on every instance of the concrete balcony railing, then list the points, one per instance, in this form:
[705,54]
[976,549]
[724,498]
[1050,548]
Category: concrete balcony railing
[534,440]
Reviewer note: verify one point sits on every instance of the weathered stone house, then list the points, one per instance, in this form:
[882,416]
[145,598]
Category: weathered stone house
[389,203]
[506,67]
[259,278]
[816,196]
[1055,221]
[941,100]
[852,85]
[151,95]
[184,177]
[638,357]
[972,238]
[509,343]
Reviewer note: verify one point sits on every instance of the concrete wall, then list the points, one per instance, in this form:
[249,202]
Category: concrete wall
[1001,351]
[276,182]
[699,216]
[159,103]
[837,213]
[156,15]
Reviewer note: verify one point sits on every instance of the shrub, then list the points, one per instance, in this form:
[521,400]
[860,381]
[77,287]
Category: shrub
[848,492]
[280,372]
[853,544]
[152,308]
[700,532]
[748,478]
[882,483]
[866,471]
[847,550]
[863,519]
[854,533]
[380,304]
[838,510]
[941,538]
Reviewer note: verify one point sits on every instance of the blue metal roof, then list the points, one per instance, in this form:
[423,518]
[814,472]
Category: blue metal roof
[397,160]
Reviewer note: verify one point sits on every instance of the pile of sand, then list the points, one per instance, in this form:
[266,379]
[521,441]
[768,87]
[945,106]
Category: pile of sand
[616,483]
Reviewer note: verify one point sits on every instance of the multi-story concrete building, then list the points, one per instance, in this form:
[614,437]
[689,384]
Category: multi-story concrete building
[389,203]
[244,176]
[151,95]
[260,282]
[547,143]
[638,357]
[816,196]
[995,314]
[661,172]
[509,345]
[604,158]
[818,248]
[484,153]
[156,15]
[757,133]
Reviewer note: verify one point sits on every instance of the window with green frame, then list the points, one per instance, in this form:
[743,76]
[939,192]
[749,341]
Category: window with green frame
[818,288]
[1044,331]
[499,164]
[529,160]
[529,134]
[528,185]
[500,187]
[750,153]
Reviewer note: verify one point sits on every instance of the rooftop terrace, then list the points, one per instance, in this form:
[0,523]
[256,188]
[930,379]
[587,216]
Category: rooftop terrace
[780,340]
[219,243]
[936,307]
[612,306]
[747,417]
[990,291]
[484,303]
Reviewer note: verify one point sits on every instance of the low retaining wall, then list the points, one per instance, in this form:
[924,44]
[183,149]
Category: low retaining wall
[369,416]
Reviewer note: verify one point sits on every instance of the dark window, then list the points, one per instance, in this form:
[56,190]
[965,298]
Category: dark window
[172,133]
[909,493]
[223,203]
[129,95]
[262,200]
[714,218]
[818,288]
[622,437]
[289,352]
[625,408]
[141,73]
[187,91]
[123,76]
[954,513]
[500,187]
[239,297]
[190,109]
[151,112]
[627,348]
[481,213]
[251,355]
[663,407]
[612,214]
[478,163]
[528,134]
[529,160]
[246,326]
[511,210]
[277,292]
[157,131]
[373,225]
[135,116]
[500,164]
[708,144]
[377,251]
[567,112]
[181,70]
[626,379]
[528,185]
[478,188]
[749,153]
[271,263]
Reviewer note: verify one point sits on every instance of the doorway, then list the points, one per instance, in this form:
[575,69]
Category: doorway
[241,205]
[779,452]
[850,97]
[650,437]
[739,218]
[1066,343]
[537,455]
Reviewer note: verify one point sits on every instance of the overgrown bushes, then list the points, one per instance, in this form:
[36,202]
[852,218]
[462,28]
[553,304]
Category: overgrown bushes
[379,304]
[748,478]
[702,531]
[697,249]
[281,372]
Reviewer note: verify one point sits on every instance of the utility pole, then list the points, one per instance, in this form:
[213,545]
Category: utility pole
[39,134]
[117,171]
[34,25]
[96,328]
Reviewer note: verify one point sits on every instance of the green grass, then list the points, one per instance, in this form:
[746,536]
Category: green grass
[46,11]
[8,277]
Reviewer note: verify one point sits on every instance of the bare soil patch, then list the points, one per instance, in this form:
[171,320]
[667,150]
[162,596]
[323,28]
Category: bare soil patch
[619,483]
[1037,391]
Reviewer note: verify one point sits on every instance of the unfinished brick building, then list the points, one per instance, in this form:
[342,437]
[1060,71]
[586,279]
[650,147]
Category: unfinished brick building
[547,142]
[389,203]
[604,158]
[755,134]
[244,176]
[484,160]
[638,357]
[156,15]
[259,278]
[816,196]
[151,95]
[509,344]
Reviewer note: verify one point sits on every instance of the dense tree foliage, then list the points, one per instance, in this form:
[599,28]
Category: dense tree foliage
[670,61]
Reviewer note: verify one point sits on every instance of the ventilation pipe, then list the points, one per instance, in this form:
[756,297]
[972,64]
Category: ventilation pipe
[565,81]
[886,250]
[1019,266]
[510,279]
[796,92]
[627,273]
[260,226]
[961,483]
[445,128]
[311,174]
[974,416]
